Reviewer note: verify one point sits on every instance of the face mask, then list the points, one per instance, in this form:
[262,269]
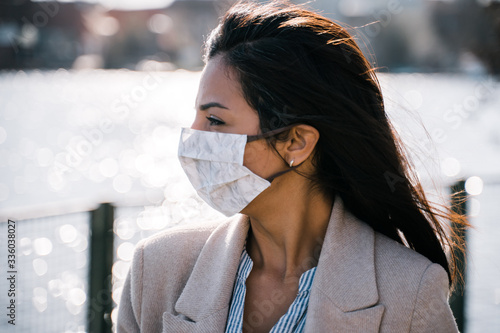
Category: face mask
[213,162]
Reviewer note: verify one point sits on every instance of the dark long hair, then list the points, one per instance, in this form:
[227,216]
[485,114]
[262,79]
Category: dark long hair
[296,66]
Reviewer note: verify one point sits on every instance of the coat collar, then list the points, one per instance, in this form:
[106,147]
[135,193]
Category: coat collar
[344,289]
[348,260]
[208,291]
[344,282]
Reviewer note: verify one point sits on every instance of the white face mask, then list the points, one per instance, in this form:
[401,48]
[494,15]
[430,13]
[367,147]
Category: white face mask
[213,162]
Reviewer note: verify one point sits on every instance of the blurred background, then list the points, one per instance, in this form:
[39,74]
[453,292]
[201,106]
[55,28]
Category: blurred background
[92,98]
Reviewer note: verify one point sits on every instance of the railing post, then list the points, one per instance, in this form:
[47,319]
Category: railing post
[101,261]
[457,299]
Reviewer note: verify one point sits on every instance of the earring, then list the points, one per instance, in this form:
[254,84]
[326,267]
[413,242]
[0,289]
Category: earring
[291,163]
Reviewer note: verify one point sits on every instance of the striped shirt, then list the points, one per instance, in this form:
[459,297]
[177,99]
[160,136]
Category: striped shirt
[293,321]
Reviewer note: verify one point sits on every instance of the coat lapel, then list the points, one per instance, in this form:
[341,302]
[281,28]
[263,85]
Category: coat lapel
[344,288]
[204,302]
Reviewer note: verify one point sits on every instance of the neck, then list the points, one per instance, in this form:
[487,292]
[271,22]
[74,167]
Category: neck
[287,232]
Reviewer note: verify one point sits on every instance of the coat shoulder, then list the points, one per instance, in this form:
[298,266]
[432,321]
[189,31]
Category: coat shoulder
[160,267]
[399,269]
[396,256]
[424,284]
[182,240]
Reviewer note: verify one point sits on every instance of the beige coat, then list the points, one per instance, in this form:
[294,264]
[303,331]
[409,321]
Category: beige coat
[181,280]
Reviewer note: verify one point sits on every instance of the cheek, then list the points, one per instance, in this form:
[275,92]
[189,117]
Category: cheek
[259,159]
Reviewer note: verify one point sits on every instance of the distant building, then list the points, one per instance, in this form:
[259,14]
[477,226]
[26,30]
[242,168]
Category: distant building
[54,34]
[174,34]
[428,36]
[40,34]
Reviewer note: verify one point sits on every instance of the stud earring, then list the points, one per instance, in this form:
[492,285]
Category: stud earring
[291,163]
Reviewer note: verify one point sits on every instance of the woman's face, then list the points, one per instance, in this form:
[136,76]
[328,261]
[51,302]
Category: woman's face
[221,107]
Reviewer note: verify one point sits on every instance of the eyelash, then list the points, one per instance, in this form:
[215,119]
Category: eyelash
[215,121]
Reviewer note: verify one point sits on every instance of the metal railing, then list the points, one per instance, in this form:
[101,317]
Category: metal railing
[457,298]
[100,303]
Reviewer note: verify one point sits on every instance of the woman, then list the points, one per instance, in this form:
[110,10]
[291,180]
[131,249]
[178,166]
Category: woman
[335,233]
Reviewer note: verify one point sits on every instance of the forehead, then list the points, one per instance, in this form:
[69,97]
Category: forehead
[218,83]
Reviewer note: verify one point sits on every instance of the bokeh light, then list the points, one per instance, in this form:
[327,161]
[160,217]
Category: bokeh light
[80,244]
[114,313]
[40,266]
[120,269]
[125,251]
[124,228]
[77,296]
[474,185]
[106,26]
[122,183]
[67,233]
[55,287]
[25,246]
[160,23]
[40,299]
[42,246]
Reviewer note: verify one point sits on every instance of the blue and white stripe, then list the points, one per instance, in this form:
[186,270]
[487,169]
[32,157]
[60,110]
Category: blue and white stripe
[293,321]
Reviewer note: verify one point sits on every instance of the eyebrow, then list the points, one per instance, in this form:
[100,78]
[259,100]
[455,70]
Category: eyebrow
[204,107]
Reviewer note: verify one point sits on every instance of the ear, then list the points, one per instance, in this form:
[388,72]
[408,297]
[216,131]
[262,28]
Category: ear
[301,143]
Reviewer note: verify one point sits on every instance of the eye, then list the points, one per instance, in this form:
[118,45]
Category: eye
[215,121]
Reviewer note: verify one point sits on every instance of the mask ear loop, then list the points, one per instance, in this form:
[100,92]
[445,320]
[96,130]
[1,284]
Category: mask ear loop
[290,168]
[251,138]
